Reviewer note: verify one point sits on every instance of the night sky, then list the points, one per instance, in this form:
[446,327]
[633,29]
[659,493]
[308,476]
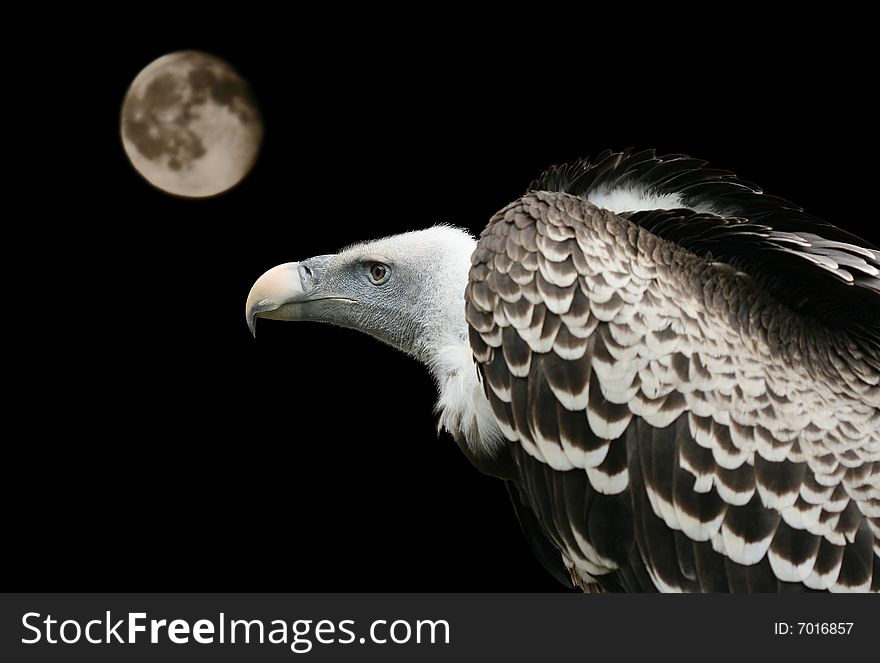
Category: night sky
[166,449]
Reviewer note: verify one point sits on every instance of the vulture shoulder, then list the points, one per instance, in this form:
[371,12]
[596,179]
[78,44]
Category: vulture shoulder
[675,421]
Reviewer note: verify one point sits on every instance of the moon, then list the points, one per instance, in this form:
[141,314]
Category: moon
[190,125]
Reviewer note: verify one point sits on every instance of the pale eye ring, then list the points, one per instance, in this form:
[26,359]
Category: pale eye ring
[378,273]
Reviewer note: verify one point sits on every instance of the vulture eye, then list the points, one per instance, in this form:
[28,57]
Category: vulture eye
[378,273]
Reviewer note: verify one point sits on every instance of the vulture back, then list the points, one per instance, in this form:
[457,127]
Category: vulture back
[692,395]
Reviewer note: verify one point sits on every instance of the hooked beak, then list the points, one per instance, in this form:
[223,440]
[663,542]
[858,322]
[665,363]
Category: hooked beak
[279,286]
[286,291]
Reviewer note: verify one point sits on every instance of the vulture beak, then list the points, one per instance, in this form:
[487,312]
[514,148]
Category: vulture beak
[282,292]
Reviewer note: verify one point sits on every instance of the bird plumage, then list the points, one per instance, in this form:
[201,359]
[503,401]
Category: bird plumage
[673,420]
[682,389]
[818,269]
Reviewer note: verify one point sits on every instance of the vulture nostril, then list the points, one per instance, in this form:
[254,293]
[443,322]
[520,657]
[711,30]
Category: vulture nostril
[307,271]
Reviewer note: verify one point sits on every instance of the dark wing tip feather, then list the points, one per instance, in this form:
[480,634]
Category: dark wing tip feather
[824,272]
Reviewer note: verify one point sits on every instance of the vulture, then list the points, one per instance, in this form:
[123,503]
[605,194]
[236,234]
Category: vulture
[676,375]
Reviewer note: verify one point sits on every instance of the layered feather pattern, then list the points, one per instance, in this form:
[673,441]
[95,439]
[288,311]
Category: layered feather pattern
[674,424]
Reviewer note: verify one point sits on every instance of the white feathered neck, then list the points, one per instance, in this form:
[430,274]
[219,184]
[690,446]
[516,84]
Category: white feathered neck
[443,345]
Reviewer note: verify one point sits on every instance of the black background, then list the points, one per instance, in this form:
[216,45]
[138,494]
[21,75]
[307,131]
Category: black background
[159,447]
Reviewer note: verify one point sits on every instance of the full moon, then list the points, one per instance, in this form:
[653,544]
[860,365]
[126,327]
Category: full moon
[190,125]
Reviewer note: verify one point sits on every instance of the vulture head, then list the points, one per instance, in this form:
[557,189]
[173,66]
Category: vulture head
[406,290]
